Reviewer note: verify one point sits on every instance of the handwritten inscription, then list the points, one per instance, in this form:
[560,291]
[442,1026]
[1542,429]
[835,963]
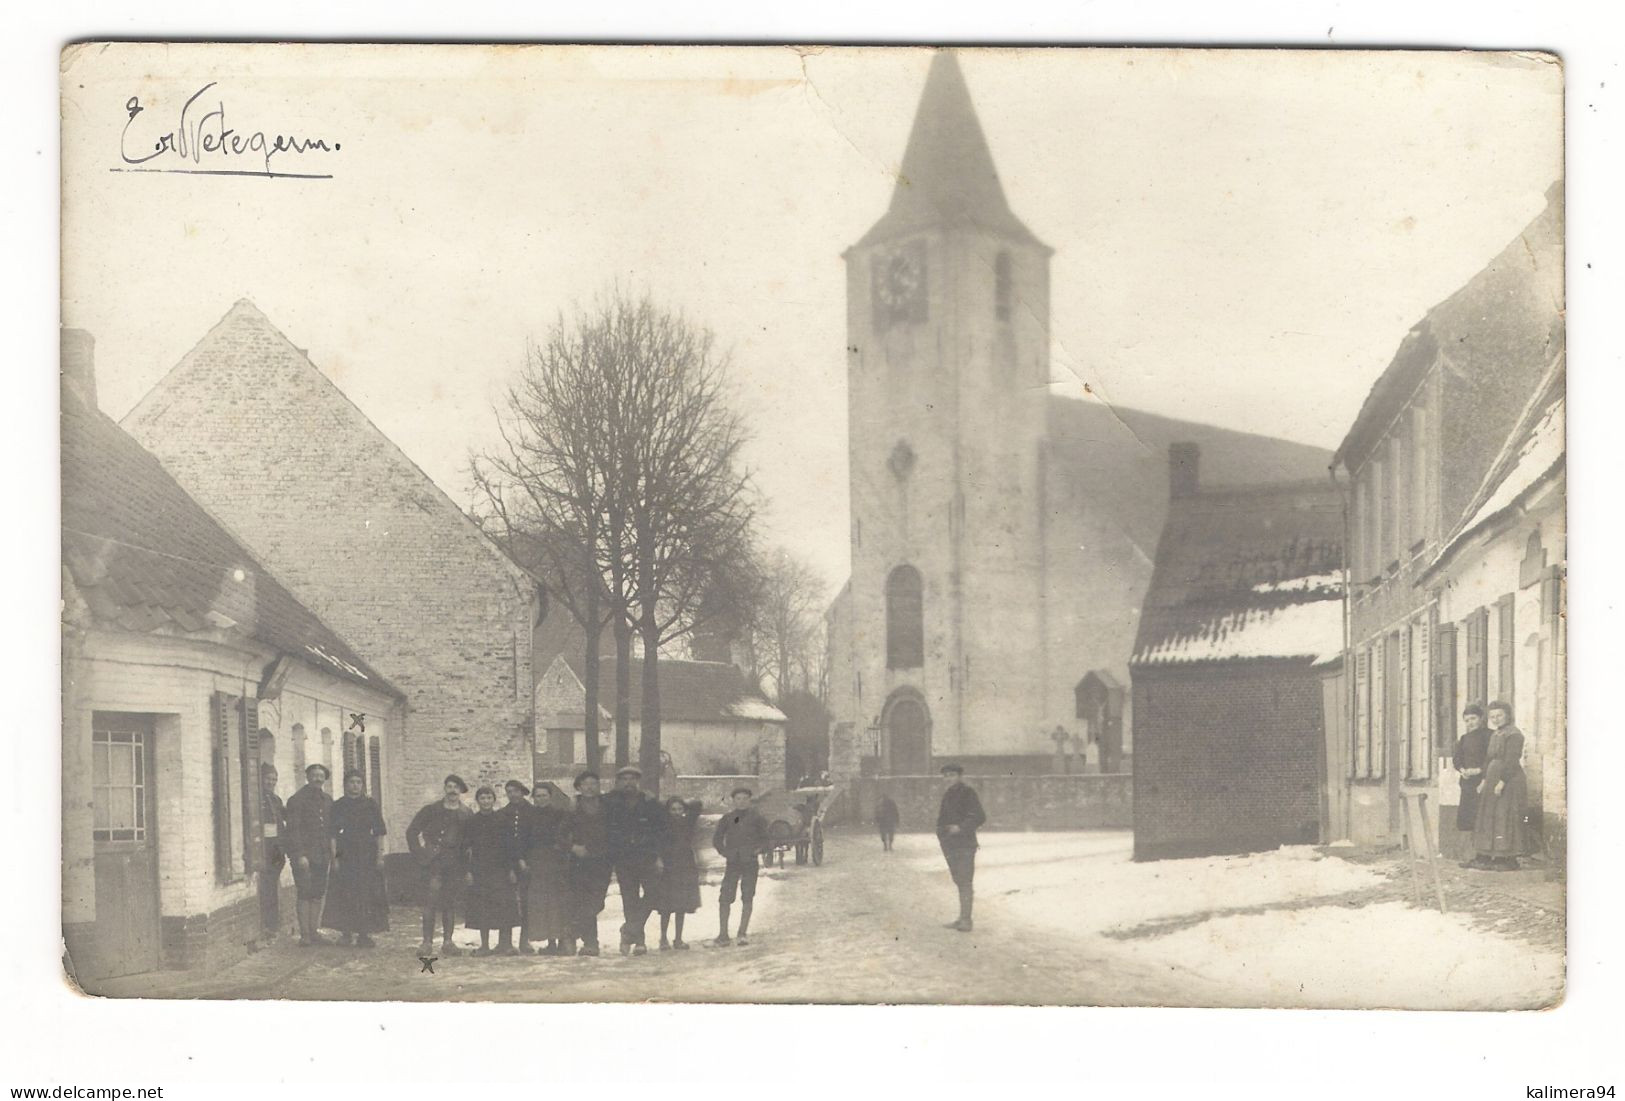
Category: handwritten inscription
[202,136]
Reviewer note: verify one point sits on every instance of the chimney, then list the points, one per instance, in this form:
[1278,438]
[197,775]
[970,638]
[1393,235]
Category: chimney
[1184,469]
[79,364]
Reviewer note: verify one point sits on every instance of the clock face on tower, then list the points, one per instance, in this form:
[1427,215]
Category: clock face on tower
[899,285]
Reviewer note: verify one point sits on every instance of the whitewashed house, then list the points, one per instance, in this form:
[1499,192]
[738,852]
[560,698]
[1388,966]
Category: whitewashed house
[1502,572]
[186,665]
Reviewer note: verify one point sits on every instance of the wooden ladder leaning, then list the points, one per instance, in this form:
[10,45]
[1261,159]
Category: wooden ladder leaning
[1430,851]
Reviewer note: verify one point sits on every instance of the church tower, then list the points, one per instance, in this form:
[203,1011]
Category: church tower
[947,367]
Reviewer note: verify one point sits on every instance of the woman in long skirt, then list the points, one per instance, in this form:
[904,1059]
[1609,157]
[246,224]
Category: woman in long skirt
[677,891]
[357,901]
[493,877]
[1498,833]
[547,891]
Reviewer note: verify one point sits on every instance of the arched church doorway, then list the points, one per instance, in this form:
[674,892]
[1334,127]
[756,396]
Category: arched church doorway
[907,725]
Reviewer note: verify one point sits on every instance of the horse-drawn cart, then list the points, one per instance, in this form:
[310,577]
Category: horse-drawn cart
[795,821]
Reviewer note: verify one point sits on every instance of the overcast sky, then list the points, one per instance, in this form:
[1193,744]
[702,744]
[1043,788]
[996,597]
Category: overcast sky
[1241,238]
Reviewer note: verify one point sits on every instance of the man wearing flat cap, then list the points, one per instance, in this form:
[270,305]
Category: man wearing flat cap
[637,828]
[309,845]
[435,838]
[958,819]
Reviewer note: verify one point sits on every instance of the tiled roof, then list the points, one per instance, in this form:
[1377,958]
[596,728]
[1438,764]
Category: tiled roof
[1506,319]
[146,557]
[1536,450]
[1112,461]
[690,691]
[1247,574]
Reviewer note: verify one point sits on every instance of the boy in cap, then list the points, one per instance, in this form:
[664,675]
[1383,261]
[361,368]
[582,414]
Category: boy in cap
[739,837]
[957,822]
[637,832]
[436,839]
[309,845]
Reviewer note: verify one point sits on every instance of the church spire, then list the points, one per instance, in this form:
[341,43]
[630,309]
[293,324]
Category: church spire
[947,175]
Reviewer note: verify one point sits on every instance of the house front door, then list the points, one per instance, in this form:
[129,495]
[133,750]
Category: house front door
[126,842]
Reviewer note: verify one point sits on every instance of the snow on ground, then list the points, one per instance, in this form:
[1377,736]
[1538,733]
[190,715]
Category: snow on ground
[1282,928]
[1089,880]
[1382,955]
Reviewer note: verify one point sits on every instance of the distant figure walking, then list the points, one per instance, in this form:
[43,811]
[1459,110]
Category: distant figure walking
[957,822]
[886,819]
[677,889]
[1498,833]
[357,899]
[739,837]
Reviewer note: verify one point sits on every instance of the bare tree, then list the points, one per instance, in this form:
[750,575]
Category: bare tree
[786,624]
[550,493]
[690,503]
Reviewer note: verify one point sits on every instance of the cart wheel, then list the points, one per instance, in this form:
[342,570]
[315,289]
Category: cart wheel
[818,844]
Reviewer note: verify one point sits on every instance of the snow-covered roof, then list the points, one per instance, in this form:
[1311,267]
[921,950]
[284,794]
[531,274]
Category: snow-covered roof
[1247,575]
[1312,630]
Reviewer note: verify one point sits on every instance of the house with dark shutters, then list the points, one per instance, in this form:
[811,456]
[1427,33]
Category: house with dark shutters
[361,535]
[184,663]
[1241,623]
[1430,432]
[1505,562]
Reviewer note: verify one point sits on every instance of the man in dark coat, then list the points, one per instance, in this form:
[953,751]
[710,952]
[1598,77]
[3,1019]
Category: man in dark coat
[739,837]
[886,819]
[273,824]
[435,838]
[1471,755]
[590,865]
[309,845]
[637,833]
[957,822]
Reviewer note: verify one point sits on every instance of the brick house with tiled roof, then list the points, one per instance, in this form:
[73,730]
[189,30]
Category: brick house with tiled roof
[185,666]
[1244,612]
[253,429]
[713,721]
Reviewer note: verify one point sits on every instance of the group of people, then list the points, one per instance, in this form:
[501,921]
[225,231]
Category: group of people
[533,873]
[1494,790]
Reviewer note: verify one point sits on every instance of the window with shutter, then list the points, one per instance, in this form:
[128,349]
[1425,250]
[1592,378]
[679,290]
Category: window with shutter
[248,720]
[350,759]
[1445,705]
[1379,706]
[1477,665]
[225,851]
[1421,709]
[375,771]
[1505,653]
[1402,721]
[1361,758]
